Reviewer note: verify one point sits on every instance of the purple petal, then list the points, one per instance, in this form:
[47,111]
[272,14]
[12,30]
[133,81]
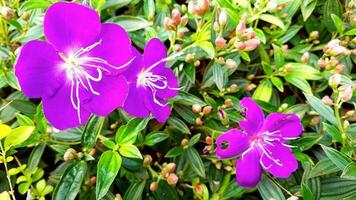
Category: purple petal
[36,69]
[70,26]
[134,103]
[135,67]
[154,52]
[172,82]
[253,114]
[237,142]
[248,169]
[112,90]
[280,162]
[288,125]
[115,47]
[59,110]
[160,112]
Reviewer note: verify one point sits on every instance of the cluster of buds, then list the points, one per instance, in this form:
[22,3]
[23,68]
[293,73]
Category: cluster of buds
[209,141]
[350,13]
[345,91]
[196,108]
[177,23]
[331,65]
[334,48]
[245,37]
[198,7]
[168,173]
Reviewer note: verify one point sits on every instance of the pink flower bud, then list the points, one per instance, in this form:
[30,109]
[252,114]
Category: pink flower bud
[327,100]
[220,43]
[346,92]
[242,25]
[322,63]
[169,24]
[240,45]
[192,8]
[172,179]
[6,12]
[184,20]
[176,16]
[305,57]
[334,80]
[223,17]
[231,64]
[251,44]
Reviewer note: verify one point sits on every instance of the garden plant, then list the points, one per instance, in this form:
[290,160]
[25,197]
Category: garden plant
[178,99]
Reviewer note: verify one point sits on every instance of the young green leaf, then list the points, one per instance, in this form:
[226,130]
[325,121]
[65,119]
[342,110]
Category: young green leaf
[130,151]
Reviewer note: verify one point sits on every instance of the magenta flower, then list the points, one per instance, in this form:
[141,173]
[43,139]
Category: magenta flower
[262,144]
[151,82]
[77,70]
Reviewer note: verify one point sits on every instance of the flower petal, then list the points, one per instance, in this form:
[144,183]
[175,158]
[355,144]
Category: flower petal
[154,52]
[253,114]
[134,103]
[132,72]
[288,125]
[237,142]
[248,169]
[112,90]
[59,110]
[172,82]
[160,112]
[115,47]
[36,69]
[284,162]
[70,26]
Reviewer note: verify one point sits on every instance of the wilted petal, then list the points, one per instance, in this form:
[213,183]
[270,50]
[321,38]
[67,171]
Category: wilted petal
[37,69]
[253,114]
[248,169]
[288,125]
[236,142]
[59,110]
[70,26]
[281,162]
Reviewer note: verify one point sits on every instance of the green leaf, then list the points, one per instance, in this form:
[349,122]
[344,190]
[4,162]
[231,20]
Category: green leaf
[23,120]
[303,71]
[91,131]
[179,125]
[263,91]
[218,74]
[306,192]
[35,156]
[127,134]
[193,140]
[71,181]
[290,33]
[108,166]
[299,83]
[351,32]
[337,188]
[260,35]
[339,159]
[333,132]
[135,191]
[155,137]
[33,4]
[273,20]
[269,190]
[321,108]
[331,7]
[195,161]
[307,8]
[130,151]
[278,56]
[323,167]
[17,136]
[278,83]
[165,192]
[130,23]
[208,47]
[338,23]
[349,172]
[174,152]
[188,99]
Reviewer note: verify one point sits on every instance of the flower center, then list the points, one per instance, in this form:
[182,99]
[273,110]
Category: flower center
[82,70]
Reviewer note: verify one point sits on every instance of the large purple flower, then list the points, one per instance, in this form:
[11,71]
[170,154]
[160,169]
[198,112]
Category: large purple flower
[262,144]
[77,70]
[151,82]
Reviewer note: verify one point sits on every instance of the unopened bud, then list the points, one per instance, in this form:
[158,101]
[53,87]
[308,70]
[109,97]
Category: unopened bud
[216,26]
[118,196]
[209,140]
[92,180]
[207,110]
[349,113]
[322,63]
[184,142]
[197,63]
[339,68]
[154,186]
[346,124]
[70,154]
[231,64]
[169,24]
[228,102]
[147,160]
[171,167]
[241,26]
[220,43]
[346,92]
[184,20]
[176,16]
[92,151]
[223,17]
[234,88]
[189,58]
[314,121]
[172,179]
[250,87]
[251,44]
[199,189]
[240,45]
[305,57]
[327,100]
[25,15]
[196,108]
[6,13]
[181,32]
[192,8]
[314,35]
[198,122]
[177,47]
[334,80]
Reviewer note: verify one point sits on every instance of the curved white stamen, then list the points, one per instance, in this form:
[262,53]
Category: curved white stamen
[78,102]
[263,165]
[268,153]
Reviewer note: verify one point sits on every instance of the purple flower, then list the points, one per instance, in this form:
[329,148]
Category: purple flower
[77,70]
[151,82]
[262,144]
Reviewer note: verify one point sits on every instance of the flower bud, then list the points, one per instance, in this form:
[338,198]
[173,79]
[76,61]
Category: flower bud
[251,44]
[350,113]
[171,167]
[216,26]
[272,6]
[154,186]
[234,88]
[220,43]
[314,121]
[169,24]
[192,9]
[197,63]
[196,108]
[199,189]
[6,12]
[241,26]
[209,140]
[322,63]
[327,100]
[92,151]
[231,64]
[207,110]
[334,80]
[118,196]
[250,87]
[346,124]
[189,58]
[198,122]
[338,51]
[184,142]
[314,35]
[202,6]
[70,154]
[177,47]
[223,17]
[346,92]
[176,16]
[147,160]
[165,172]
[92,180]
[184,20]
[240,45]
[339,68]
[180,32]
[25,16]
[172,179]
[228,102]
[305,57]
